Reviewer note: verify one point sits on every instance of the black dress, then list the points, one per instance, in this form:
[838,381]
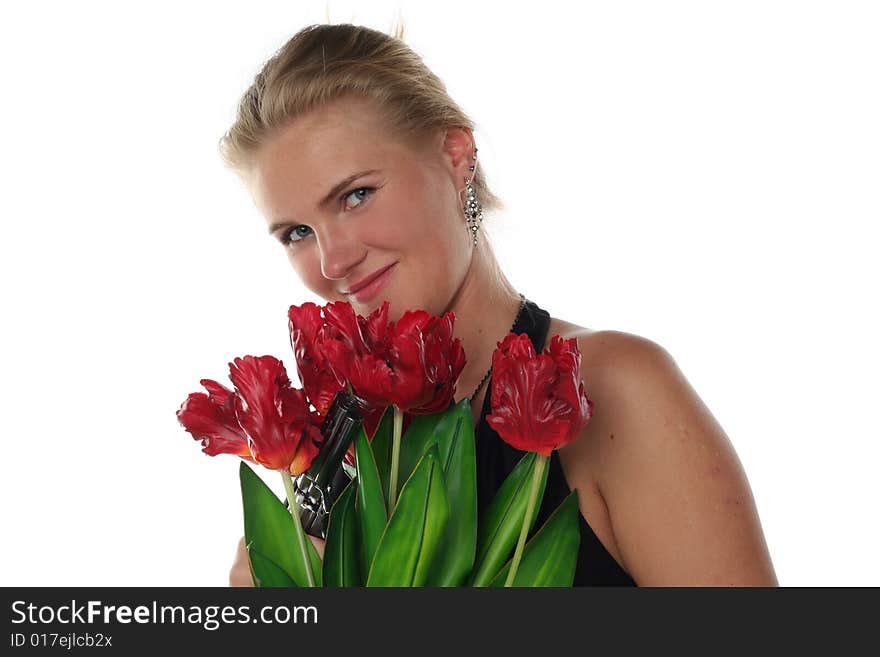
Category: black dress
[496,459]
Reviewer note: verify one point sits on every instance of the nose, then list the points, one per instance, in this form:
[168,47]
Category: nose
[339,254]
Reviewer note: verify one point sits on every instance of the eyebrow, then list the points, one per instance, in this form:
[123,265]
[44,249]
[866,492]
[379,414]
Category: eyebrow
[337,188]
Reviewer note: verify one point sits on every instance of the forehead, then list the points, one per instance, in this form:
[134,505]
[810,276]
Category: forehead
[300,163]
[322,141]
[328,130]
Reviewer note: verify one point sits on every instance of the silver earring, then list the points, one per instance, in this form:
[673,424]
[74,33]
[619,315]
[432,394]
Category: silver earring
[473,211]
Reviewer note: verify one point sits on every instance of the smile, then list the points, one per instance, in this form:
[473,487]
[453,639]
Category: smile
[365,293]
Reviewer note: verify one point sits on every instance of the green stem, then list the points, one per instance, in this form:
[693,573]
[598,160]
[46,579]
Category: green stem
[300,534]
[395,457]
[537,475]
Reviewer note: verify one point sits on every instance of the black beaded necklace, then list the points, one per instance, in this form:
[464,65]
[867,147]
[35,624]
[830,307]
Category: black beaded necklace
[522,304]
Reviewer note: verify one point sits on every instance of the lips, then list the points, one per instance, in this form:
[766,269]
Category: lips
[361,284]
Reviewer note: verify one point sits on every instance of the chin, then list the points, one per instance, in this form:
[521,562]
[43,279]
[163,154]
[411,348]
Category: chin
[364,309]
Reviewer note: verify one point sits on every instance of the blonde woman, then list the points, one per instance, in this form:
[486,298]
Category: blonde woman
[367,174]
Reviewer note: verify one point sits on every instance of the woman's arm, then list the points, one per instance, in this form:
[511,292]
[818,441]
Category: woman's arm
[677,496]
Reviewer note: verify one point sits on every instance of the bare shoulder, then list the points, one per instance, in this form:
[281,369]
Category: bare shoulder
[588,337]
[607,353]
[678,501]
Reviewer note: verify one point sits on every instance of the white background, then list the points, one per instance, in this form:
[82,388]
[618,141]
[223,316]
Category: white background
[718,163]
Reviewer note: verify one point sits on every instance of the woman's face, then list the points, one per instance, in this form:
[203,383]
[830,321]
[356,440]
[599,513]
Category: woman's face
[348,200]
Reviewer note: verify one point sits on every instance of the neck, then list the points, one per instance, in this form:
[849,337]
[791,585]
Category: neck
[485,306]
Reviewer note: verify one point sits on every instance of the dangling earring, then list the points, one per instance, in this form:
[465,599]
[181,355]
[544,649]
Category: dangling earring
[473,211]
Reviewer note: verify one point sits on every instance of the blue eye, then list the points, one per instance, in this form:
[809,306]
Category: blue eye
[356,192]
[297,233]
[293,234]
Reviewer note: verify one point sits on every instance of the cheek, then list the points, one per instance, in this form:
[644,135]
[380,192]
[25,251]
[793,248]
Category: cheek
[425,221]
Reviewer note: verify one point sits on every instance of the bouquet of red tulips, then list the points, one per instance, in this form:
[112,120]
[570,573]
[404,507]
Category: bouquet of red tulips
[409,515]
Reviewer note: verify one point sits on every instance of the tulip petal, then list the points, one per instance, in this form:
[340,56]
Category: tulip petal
[211,419]
[308,447]
[319,381]
[343,324]
[375,326]
[257,381]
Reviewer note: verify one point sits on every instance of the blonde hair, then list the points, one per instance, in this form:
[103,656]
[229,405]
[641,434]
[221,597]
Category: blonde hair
[322,63]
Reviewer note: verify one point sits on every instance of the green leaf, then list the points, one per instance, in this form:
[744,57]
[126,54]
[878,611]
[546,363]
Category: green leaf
[271,574]
[342,559]
[419,435]
[268,528]
[371,512]
[550,557]
[502,520]
[381,446]
[454,435]
[415,528]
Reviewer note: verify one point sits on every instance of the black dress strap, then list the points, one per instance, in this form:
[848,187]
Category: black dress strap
[496,459]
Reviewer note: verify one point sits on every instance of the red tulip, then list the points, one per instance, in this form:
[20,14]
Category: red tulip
[264,420]
[538,401]
[283,432]
[413,363]
[425,361]
[305,324]
[211,419]
[356,350]
[308,333]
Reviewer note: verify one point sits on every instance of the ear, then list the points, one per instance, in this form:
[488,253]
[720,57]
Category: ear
[459,153]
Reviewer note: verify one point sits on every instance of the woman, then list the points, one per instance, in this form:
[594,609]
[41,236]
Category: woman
[366,172]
